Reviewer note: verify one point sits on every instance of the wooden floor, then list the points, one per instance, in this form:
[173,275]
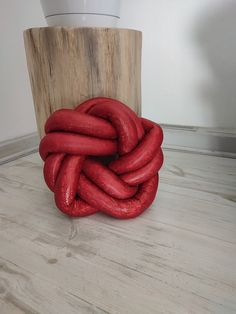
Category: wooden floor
[178,257]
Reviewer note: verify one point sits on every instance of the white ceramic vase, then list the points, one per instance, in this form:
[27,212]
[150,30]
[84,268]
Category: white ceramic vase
[83,13]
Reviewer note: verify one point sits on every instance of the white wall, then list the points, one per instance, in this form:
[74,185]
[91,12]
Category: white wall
[189,63]
[16,105]
[189,59]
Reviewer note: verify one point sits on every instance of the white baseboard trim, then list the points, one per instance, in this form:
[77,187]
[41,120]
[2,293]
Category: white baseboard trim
[210,141]
[18,147]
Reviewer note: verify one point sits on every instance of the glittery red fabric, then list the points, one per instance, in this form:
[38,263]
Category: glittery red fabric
[101,157]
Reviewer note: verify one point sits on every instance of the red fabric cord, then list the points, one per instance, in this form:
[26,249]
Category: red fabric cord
[101,157]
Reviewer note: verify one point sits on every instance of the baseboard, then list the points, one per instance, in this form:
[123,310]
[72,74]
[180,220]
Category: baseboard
[18,147]
[210,141]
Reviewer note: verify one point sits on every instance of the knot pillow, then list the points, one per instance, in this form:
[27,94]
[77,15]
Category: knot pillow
[101,156]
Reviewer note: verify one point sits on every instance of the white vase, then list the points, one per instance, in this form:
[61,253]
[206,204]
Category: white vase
[83,13]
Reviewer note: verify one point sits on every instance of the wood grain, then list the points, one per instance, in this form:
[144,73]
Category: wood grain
[178,257]
[69,65]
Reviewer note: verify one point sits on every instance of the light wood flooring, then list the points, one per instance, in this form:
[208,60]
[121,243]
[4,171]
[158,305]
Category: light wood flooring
[178,257]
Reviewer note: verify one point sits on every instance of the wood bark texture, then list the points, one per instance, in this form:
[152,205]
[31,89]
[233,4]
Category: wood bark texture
[70,65]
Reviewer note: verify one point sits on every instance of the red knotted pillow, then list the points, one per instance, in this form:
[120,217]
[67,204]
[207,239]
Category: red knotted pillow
[101,157]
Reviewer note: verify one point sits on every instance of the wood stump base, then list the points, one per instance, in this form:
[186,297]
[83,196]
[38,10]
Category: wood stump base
[70,65]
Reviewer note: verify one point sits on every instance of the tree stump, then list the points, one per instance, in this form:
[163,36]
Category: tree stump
[70,65]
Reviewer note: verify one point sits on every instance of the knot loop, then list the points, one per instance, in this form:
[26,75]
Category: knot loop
[101,157]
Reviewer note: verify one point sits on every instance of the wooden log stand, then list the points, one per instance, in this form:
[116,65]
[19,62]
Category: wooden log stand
[69,65]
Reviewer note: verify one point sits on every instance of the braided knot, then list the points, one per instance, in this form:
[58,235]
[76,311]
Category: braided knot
[101,157]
